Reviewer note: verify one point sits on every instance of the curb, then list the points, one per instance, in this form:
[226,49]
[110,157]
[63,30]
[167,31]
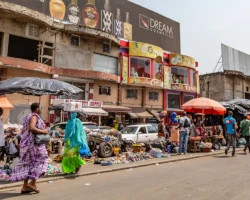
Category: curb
[62,176]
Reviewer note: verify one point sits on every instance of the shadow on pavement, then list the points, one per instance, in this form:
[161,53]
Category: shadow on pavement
[222,156]
[9,195]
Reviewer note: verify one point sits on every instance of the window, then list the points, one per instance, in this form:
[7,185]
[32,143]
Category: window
[193,78]
[105,64]
[158,74]
[142,130]
[104,90]
[174,101]
[75,40]
[32,30]
[140,67]
[179,75]
[152,129]
[188,98]
[106,47]
[153,96]
[131,93]
[247,89]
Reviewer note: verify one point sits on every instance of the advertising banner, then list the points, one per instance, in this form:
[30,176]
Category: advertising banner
[181,60]
[124,63]
[144,50]
[145,81]
[121,18]
[167,77]
[183,87]
[198,83]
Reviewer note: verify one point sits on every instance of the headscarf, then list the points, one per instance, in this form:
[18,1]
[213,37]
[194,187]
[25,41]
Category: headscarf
[75,131]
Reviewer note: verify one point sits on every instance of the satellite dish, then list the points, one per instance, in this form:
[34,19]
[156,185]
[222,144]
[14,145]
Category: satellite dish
[158,59]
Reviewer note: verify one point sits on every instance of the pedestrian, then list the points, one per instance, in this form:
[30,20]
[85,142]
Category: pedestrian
[33,157]
[184,127]
[244,128]
[2,137]
[75,141]
[120,127]
[192,129]
[230,126]
[161,129]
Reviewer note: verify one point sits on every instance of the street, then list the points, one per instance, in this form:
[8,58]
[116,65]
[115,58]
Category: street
[217,177]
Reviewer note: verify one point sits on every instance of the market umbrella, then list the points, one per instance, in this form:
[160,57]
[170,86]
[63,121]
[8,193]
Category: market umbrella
[37,87]
[205,106]
[5,103]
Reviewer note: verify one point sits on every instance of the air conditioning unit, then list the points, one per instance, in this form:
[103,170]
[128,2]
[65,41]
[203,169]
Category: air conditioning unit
[32,30]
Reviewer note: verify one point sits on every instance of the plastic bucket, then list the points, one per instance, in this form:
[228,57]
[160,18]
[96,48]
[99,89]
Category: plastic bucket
[116,150]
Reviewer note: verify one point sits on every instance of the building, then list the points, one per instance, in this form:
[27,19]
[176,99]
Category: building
[58,39]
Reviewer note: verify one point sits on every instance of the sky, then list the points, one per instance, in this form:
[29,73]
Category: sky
[205,24]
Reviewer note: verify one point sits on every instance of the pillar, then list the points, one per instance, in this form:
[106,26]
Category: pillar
[5,44]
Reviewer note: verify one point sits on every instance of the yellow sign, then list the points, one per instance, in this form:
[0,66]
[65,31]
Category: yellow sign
[127,31]
[198,83]
[167,77]
[124,69]
[145,81]
[144,50]
[181,60]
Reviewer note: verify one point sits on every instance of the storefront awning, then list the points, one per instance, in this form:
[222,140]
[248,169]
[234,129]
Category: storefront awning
[154,113]
[119,109]
[139,113]
[95,111]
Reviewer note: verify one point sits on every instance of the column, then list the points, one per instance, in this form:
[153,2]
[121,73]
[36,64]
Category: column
[5,44]
[91,91]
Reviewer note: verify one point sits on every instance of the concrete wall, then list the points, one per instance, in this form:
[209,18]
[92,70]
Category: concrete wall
[131,102]
[152,103]
[106,99]
[17,99]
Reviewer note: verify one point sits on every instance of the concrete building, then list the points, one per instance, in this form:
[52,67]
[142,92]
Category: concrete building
[224,86]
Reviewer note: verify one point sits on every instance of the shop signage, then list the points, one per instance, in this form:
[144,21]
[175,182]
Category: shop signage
[167,77]
[144,50]
[181,60]
[198,83]
[118,17]
[145,81]
[183,87]
[124,63]
[86,103]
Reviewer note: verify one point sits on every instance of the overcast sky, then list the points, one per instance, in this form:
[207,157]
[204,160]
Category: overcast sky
[205,24]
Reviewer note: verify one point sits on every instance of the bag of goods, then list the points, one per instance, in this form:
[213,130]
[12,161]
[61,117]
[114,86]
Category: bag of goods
[73,107]
[156,152]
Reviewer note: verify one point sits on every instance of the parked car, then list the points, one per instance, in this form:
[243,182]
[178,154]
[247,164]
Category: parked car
[60,127]
[141,133]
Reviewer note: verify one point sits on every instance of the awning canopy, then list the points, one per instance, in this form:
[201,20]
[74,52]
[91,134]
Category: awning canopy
[139,113]
[154,112]
[112,108]
[95,111]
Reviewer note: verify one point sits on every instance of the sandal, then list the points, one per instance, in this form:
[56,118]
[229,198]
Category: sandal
[78,169]
[33,188]
[25,191]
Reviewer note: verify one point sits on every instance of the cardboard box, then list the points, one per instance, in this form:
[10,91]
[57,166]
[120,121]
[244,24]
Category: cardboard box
[72,106]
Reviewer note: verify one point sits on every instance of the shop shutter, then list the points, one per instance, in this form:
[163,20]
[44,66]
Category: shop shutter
[105,64]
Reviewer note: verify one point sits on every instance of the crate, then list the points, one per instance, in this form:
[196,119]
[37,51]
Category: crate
[206,150]
[194,146]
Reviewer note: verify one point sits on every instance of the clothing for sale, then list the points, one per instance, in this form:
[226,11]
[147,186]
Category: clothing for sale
[33,158]
[244,125]
[230,123]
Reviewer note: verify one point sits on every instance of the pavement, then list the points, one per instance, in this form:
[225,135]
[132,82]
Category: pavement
[91,169]
[216,177]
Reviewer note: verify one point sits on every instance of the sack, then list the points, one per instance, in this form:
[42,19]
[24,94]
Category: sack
[42,138]
[186,123]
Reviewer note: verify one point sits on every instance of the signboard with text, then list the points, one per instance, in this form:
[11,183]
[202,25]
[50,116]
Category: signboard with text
[121,18]
[182,60]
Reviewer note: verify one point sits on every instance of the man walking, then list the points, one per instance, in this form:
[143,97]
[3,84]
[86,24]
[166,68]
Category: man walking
[184,126]
[230,125]
[244,126]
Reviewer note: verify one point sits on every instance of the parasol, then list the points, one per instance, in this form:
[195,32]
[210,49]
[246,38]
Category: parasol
[205,106]
[37,87]
[5,103]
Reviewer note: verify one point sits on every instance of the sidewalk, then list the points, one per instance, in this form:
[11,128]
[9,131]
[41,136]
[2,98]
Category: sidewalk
[91,169]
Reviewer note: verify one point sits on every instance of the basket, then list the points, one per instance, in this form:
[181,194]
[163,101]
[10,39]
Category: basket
[156,154]
[206,150]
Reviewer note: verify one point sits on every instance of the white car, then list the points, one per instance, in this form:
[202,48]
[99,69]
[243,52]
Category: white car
[144,133]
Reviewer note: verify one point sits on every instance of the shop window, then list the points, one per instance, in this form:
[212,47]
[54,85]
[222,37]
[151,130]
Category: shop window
[158,74]
[174,101]
[104,90]
[188,98]
[153,96]
[193,78]
[75,40]
[179,75]
[131,93]
[140,67]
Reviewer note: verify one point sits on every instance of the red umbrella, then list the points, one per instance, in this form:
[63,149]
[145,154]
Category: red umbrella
[205,106]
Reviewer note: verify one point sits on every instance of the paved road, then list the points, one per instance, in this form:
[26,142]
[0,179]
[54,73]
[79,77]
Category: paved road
[211,178]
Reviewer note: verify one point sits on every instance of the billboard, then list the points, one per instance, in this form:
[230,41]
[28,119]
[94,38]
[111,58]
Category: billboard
[181,60]
[235,60]
[121,18]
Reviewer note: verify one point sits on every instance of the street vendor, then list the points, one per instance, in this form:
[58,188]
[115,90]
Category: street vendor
[161,129]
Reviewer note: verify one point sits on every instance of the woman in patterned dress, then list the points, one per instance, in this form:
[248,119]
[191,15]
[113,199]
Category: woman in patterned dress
[33,157]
